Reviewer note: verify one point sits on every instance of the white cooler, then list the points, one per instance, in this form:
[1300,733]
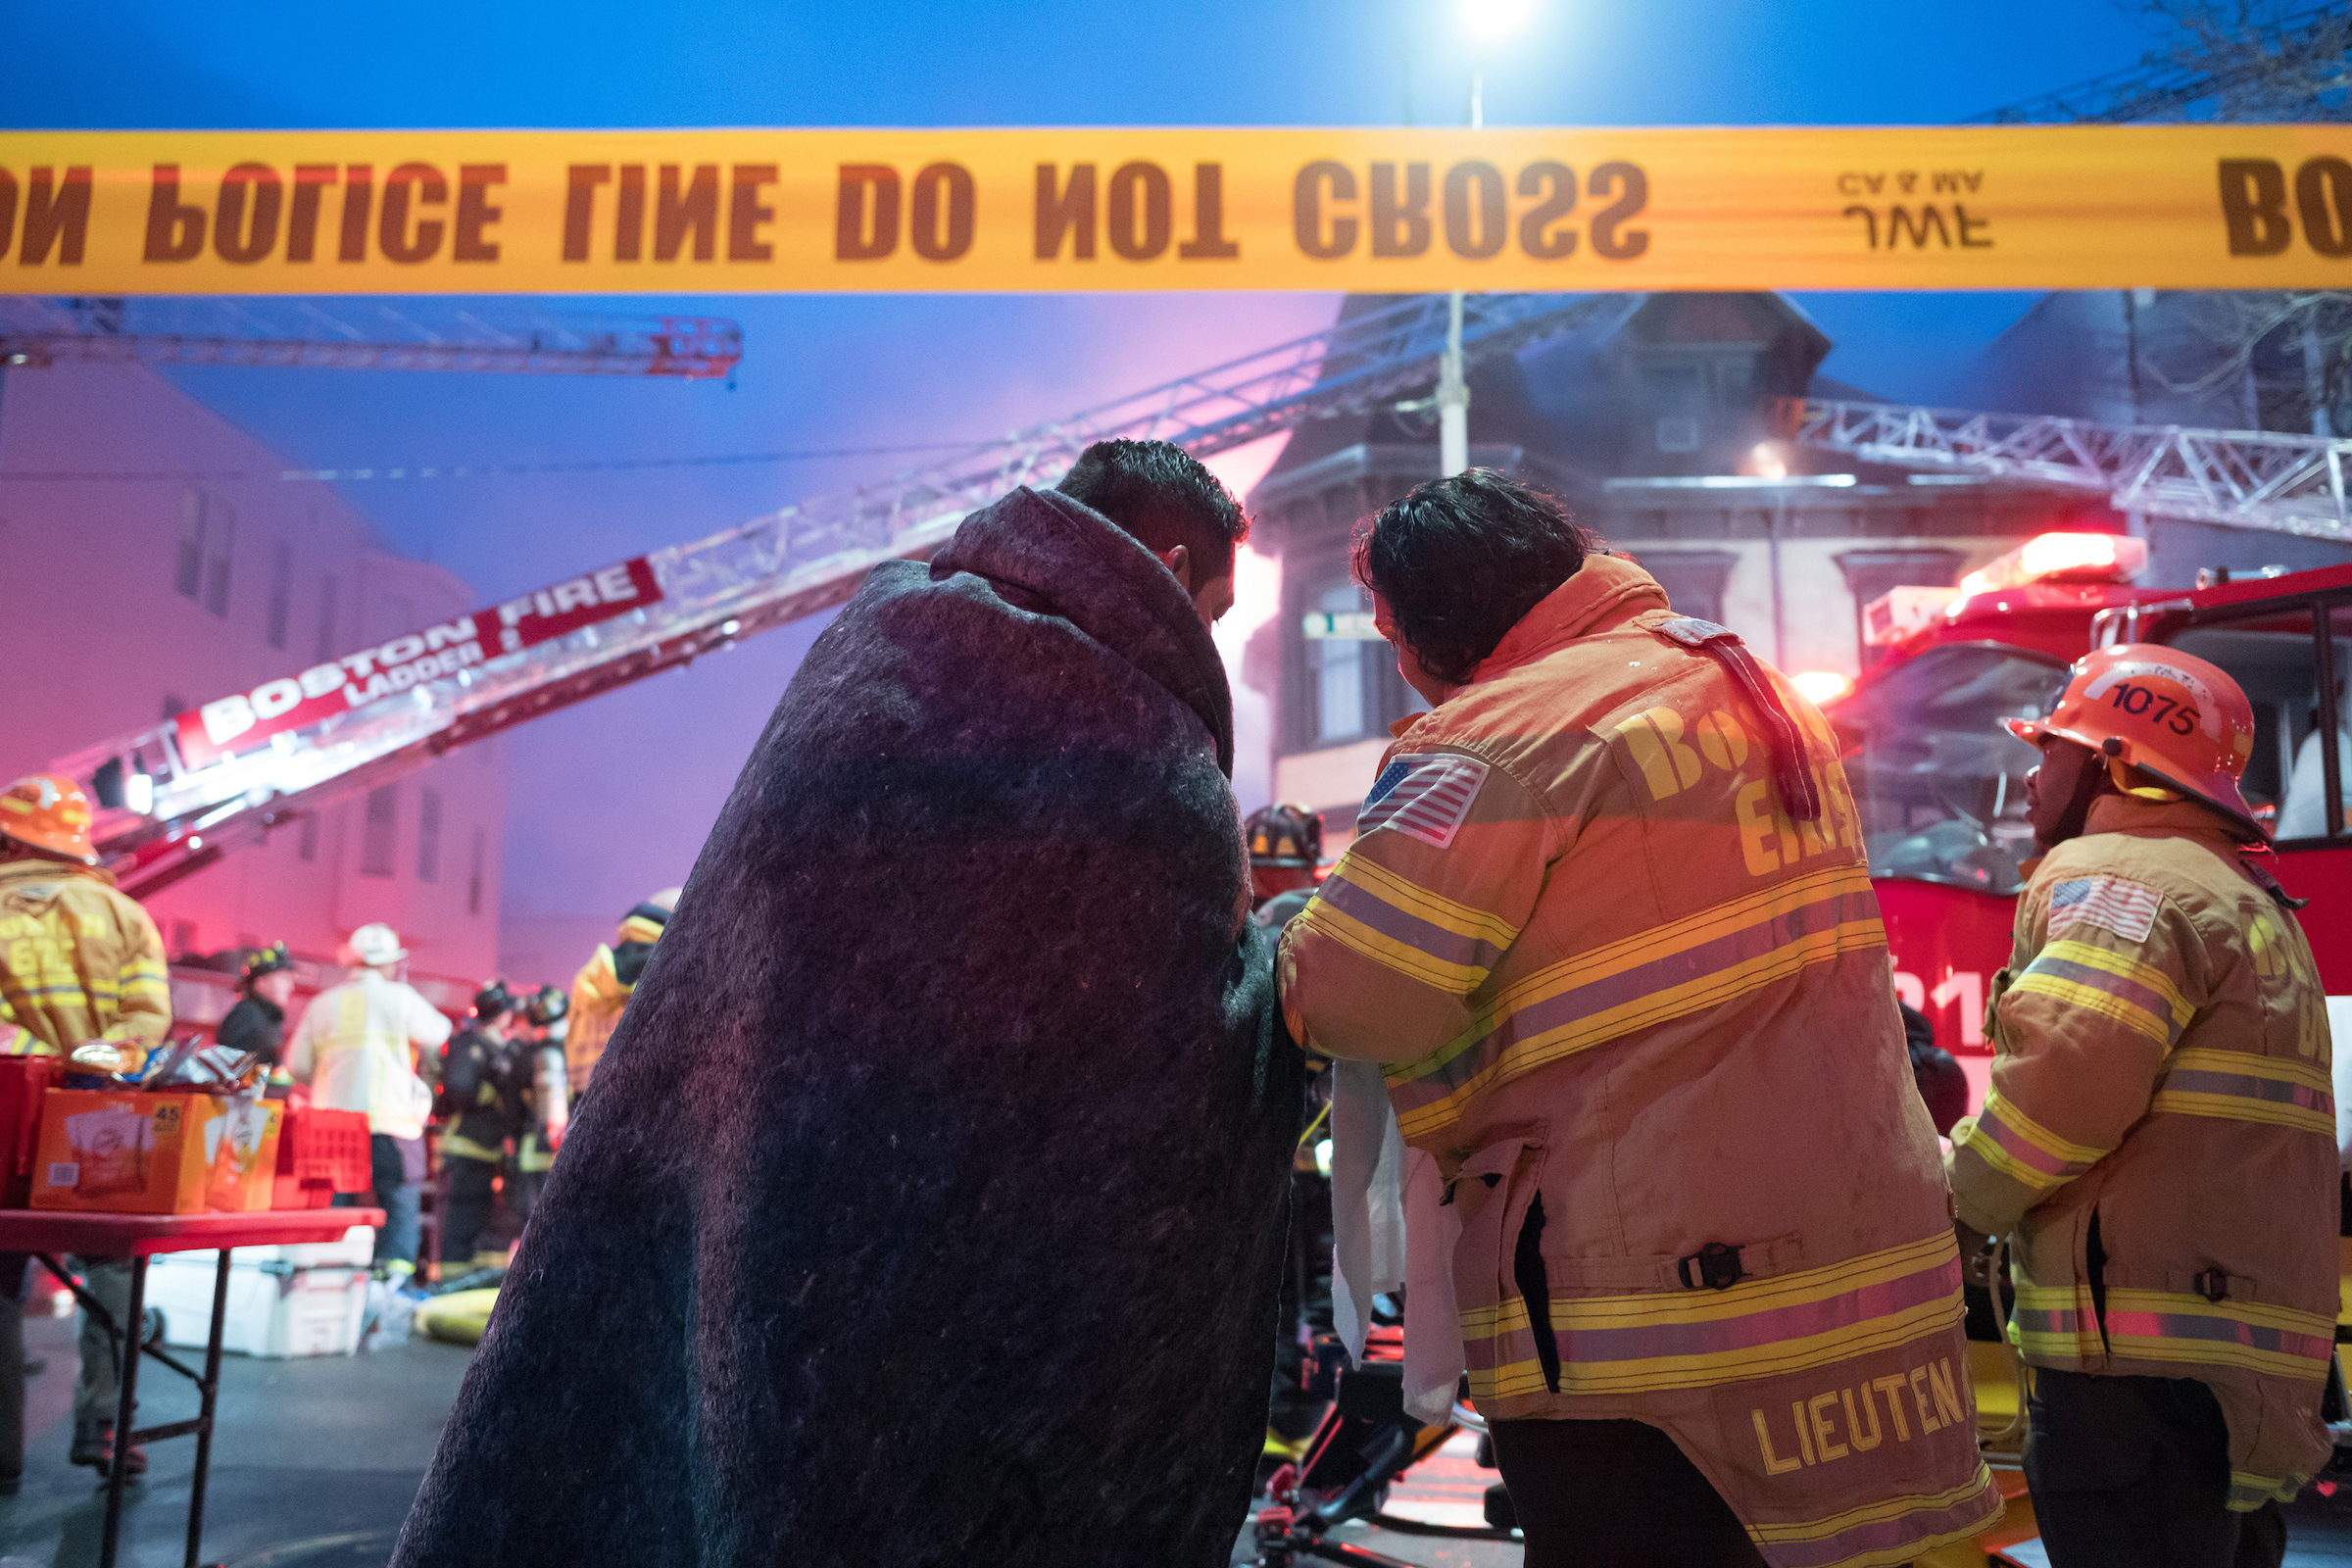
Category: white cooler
[304,1299]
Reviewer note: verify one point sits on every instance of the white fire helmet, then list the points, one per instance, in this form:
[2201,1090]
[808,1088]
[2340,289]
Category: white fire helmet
[377,944]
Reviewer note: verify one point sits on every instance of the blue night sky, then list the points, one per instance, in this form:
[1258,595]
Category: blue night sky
[611,799]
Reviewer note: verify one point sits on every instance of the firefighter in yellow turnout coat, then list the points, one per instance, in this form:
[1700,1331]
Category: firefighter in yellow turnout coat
[81,966]
[2159,1139]
[1608,922]
[601,991]
[82,976]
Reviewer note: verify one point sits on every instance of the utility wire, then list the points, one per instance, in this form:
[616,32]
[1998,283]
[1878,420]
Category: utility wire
[478,470]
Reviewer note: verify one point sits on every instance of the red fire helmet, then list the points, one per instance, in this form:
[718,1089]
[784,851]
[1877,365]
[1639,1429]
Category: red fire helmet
[2168,714]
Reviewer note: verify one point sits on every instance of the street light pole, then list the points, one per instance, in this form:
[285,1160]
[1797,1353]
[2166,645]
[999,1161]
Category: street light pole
[1454,393]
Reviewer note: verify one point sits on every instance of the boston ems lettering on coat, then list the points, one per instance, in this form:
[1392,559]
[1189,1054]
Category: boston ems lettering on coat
[290,703]
[1386,210]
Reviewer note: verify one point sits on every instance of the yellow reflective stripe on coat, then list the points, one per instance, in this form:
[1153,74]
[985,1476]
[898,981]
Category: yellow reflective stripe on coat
[1695,1339]
[456,1146]
[2176,1326]
[2021,1148]
[1671,972]
[1424,936]
[2248,1493]
[1859,1537]
[2239,1086]
[2055,1325]
[2114,985]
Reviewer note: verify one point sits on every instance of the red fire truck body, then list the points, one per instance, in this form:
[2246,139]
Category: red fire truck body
[1941,786]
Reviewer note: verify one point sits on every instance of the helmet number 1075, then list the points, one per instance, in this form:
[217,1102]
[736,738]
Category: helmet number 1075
[2174,716]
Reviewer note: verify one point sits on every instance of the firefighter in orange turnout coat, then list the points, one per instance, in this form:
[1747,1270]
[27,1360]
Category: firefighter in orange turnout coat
[2159,1140]
[1608,924]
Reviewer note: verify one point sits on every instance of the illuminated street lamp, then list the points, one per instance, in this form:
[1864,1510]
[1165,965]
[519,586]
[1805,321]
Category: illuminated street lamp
[1489,21]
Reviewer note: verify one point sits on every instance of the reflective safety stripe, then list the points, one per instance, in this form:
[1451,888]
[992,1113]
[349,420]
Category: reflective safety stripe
[2248,1493]
[2241,1087]
[2056,1325]
[1694,1338]
[1369,909]
[1897,1530]
[1671,972]
[456,1146]
[2114,985]
[2169,1326]
[2021,1148]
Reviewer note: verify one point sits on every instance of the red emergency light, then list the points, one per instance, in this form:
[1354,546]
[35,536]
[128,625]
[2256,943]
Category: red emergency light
[2061,558]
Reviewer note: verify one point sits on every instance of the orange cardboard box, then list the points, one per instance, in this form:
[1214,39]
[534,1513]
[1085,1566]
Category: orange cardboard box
[142,1153]
[244,1164]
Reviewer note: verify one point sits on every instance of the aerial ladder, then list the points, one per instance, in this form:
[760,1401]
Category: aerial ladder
[2238,478]
[362,334]
[176,798]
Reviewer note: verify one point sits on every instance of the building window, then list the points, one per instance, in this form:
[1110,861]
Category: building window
[305,841]
[326,619]
[428,836]
[208,538]
[375,844]
[189,576]
[473,876]
[1693,579]
[1336,669]
[281,591]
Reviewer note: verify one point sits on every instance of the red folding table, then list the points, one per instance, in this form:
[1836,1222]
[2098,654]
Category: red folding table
[47,1233]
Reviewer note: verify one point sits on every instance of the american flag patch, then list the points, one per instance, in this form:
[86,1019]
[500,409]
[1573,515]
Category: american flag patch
[2127,908]
[1423,796]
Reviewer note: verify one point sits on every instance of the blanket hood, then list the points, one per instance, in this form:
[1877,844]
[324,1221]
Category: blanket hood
[1048,554]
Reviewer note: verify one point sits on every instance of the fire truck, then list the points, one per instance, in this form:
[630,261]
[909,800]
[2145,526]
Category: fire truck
[1940,784]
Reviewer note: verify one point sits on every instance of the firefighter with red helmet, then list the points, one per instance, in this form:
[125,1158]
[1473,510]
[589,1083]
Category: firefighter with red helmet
[1286,843]
[2159,1140]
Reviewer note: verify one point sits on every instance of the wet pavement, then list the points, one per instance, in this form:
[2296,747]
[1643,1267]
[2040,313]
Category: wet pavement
[315,1462]
[317,1459]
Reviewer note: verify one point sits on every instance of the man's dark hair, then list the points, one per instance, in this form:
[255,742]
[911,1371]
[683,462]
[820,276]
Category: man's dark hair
[1461,560]
[1161,495]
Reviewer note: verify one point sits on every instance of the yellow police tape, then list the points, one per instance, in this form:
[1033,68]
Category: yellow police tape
[490,212]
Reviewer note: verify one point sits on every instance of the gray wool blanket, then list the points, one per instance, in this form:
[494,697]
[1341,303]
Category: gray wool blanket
[928,1207]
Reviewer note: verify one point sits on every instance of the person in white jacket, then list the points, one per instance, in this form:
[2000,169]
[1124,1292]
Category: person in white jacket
[359,1047]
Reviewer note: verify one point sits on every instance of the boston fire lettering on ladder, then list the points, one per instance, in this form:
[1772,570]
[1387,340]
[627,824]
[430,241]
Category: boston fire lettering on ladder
[247,719]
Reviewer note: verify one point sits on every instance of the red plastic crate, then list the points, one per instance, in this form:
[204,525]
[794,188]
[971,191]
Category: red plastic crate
[23,1081]
[324,1149]
[288,1193]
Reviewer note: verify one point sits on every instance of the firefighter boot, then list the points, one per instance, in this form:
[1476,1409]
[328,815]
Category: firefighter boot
[94,1446]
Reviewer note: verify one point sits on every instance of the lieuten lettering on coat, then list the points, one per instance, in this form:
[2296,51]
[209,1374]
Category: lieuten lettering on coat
[1855,1417]
[248,719]
[1805,1448]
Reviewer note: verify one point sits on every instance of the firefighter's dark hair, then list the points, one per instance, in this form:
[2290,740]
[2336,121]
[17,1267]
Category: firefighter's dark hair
[1161,495]
[1461,560]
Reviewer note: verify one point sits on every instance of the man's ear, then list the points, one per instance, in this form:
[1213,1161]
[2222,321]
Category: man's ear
[1179,560]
